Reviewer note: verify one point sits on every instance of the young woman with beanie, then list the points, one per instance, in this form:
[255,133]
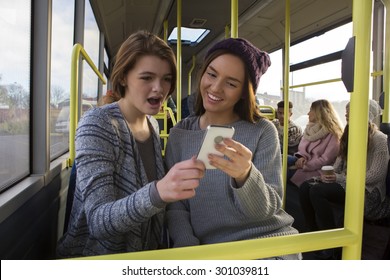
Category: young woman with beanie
[122,189]
[242,198]
[318,201]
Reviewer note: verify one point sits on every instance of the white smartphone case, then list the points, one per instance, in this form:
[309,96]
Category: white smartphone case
[214,134]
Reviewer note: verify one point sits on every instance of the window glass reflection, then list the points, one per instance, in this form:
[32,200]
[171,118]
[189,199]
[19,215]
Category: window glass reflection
[61,53]
[15,54]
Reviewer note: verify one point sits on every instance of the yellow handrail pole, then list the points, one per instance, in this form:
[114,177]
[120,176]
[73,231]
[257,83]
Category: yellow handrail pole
[234,19]
[386,66]
[316,83]
[358,123]
[286,82]
[178,58]
[163,115]
[227,31]
[73,102]
[190,73]
[244,250]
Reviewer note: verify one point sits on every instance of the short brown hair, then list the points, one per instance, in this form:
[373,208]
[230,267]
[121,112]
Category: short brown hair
[281,104]
[140,44]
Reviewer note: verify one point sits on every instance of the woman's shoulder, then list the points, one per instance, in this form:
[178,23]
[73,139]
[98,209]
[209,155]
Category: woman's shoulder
[101,114]
[264,124]
[188,123]
[379,137]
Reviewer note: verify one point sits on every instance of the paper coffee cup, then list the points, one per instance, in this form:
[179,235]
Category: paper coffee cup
[327,170]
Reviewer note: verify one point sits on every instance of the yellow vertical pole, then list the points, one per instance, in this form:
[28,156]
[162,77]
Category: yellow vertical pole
[285,94]
[227,31]
[234,19]
[386,66]
[189,75]
[358,123]
[165,25]
[178,58]
[164,129]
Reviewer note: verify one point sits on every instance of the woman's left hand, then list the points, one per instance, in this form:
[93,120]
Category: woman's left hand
[238,163]
[328,178]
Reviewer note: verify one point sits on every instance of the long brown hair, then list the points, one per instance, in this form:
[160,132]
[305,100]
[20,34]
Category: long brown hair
[140,44]
[246,108]
[344,139]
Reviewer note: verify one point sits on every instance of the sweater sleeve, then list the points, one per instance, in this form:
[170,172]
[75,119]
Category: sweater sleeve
[377,160]
[108,213]
[261,195]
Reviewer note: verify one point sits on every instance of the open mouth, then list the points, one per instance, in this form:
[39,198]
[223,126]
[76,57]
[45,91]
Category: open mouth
[154,100]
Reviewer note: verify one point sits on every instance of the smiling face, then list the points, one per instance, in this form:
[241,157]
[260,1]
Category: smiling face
[147,84]
[221,85]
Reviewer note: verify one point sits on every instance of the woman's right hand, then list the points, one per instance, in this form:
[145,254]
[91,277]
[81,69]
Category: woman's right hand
[300,163]
[181,180]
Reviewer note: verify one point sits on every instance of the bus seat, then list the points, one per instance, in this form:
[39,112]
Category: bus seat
[69,198]
[388,180]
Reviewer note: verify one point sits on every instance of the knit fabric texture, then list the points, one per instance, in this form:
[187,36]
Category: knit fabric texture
[221,211]
[294,135]
[113,211]
[256,61]
[376,167]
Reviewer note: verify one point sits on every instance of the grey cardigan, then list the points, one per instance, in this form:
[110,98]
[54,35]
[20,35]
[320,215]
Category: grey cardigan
[113,209]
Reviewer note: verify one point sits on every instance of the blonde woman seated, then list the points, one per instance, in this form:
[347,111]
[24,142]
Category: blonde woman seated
[320,143]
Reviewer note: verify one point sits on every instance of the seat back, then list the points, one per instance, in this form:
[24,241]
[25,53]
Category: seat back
[388,179]
[69,198]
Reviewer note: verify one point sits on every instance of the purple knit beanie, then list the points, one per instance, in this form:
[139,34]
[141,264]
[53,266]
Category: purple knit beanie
[256,61]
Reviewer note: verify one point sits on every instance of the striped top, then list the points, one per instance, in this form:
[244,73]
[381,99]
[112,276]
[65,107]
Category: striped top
[114,209]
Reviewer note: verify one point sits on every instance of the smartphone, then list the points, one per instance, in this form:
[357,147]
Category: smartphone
[214,135]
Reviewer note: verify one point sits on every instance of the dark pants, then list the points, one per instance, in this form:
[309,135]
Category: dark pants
[319,202]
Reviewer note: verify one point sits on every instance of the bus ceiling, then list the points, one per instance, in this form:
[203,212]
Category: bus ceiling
[260,21]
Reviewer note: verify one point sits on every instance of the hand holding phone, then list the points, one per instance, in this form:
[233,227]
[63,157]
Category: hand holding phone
[214,135]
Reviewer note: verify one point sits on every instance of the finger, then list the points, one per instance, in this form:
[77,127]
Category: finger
[238,147]
[190,163]
[227,151]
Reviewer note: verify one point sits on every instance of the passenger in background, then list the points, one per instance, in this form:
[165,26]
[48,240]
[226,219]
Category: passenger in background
[191,103]
[294,131]
[318,201]
[320,142]
[242,198]
[188,105]
[121,188]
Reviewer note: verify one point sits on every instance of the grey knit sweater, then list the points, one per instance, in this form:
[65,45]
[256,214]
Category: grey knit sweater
[377,205]
[220,211]
[113,209]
